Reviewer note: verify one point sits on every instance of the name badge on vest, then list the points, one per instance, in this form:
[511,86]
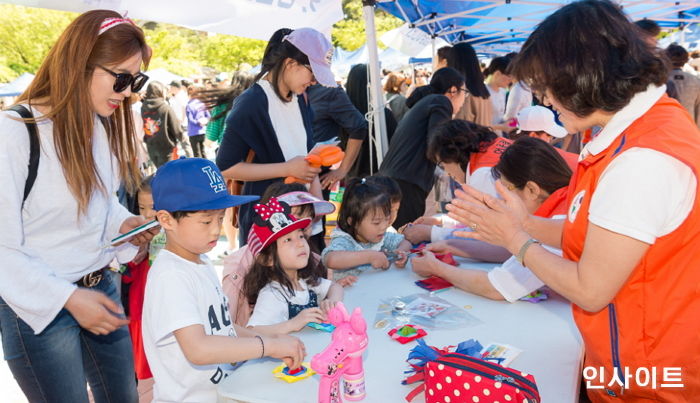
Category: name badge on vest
[576,206]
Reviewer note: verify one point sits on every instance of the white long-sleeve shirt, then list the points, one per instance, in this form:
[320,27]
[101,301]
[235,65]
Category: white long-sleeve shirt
[46,246]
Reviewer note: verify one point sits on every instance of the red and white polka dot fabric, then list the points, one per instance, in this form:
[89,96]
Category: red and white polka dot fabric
[458,378]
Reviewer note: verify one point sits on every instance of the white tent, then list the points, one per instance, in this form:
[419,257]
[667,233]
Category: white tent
[256,19]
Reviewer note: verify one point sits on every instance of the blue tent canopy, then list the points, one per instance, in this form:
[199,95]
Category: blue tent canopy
[507,23]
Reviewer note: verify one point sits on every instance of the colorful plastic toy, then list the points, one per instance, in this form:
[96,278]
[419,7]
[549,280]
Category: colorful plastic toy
[325,327]
[321,155]
[291,376]
[342,359]
[406,333]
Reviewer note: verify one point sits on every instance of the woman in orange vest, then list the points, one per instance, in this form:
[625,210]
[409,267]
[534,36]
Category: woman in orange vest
[539,176]
[466,151]
[631,239]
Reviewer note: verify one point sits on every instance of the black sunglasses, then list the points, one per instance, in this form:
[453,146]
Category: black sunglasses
[124,80]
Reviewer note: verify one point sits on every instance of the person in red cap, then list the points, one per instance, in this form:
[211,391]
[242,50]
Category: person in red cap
[288,288]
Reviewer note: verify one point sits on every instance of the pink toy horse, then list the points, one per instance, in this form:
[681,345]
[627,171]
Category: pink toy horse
[343,357]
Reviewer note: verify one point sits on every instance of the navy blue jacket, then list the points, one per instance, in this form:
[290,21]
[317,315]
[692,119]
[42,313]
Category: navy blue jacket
[248,126]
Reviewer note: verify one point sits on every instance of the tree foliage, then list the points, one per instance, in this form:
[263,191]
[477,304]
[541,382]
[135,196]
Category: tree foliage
[349,33]
[27,34]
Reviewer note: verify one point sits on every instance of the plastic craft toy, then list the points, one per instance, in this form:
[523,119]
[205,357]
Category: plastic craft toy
[291,376]
[321,155]
[406,333]
[326,327]
[342,359]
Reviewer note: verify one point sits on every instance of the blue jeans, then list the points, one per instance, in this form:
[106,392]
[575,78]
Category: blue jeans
[54,365]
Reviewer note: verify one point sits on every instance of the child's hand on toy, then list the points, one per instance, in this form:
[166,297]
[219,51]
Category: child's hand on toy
[287,348]
[347,281]
[326,305]
[379,260]
[402,260]
[417,233]
[425,264]
[306,316]
[298,167]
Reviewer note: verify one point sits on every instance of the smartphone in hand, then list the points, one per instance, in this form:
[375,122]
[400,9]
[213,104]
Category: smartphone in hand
[126,236]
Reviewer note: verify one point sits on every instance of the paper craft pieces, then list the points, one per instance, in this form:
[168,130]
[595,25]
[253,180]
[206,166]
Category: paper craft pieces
[535,297]
[291,376]
[425,308]
[434,283]
[406,333]
[502,354]
[443,257]
[325,327]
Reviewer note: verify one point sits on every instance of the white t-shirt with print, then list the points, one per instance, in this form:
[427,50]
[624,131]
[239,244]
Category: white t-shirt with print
[180,293]
[271,307]
[287,122]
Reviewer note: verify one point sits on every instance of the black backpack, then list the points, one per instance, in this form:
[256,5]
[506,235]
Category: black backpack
[33,148]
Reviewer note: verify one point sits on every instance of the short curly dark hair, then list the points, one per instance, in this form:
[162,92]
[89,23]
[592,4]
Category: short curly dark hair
[456,140]
[589,66]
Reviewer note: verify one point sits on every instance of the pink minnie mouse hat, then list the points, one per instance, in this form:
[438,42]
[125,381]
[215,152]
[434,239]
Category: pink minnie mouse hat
[319,51]
[272,221]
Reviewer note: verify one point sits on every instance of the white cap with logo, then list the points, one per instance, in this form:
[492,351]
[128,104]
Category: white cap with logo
[319,51]
[539,119]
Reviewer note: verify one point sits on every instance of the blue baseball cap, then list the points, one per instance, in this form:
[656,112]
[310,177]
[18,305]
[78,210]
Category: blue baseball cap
[191,184]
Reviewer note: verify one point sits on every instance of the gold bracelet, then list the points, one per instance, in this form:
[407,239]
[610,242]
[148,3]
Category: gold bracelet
[520,257]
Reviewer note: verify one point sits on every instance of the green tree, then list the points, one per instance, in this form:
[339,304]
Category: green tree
[26,35]
[228,53]
[349,33]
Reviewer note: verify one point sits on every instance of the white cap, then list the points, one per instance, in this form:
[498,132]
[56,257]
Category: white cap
[539,119]
[318,49]
[321,207]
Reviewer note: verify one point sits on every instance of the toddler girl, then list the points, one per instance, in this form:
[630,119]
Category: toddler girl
[134,280]
[361,240]
[287,287]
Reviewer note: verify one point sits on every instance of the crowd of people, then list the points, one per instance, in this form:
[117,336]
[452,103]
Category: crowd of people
[572,164]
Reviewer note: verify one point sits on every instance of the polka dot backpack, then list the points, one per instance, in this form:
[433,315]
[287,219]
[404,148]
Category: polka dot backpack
[460,378]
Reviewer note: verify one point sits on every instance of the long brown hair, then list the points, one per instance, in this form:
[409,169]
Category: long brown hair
[268,268]
[63,84]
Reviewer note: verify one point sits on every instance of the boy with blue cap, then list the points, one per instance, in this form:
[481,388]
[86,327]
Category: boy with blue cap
[188,334]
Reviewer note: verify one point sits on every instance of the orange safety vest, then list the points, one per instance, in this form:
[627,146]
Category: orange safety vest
[654,320]
[488,157]
[571,159]
[555,204]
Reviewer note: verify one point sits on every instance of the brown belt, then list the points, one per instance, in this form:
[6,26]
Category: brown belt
[92,279]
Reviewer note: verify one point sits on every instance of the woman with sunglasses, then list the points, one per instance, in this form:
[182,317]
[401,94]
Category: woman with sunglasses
[60,315]
[631,237]
[272,120]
